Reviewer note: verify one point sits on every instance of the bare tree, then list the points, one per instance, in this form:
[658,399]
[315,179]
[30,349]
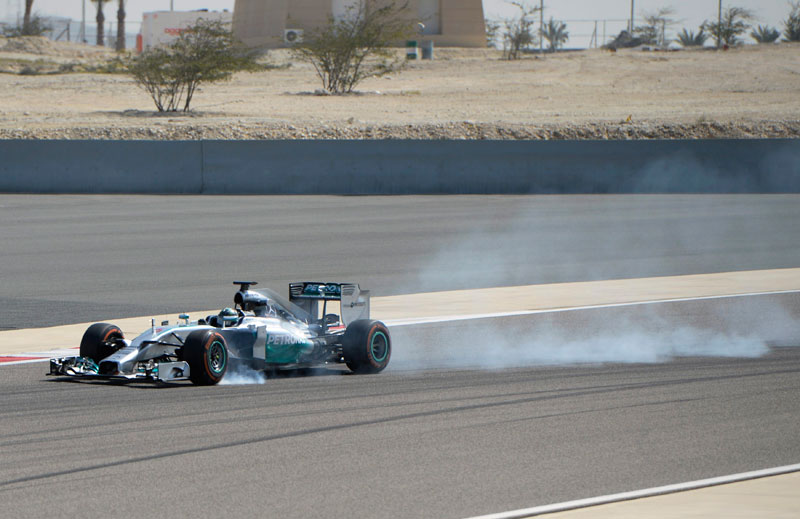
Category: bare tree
[654,30]
[347,50]
[518,31]
[492,31]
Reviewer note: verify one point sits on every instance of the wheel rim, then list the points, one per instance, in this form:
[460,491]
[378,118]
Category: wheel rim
[216,357]
[379,347]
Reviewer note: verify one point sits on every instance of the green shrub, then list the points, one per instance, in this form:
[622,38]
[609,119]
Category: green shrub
[347,50]
[204,53]
[35,27]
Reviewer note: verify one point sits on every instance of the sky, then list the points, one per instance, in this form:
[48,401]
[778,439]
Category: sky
[690,12]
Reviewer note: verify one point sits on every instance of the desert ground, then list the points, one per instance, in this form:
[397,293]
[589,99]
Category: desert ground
[752,91]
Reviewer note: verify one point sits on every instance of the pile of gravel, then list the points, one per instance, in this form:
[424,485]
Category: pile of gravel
[451,131]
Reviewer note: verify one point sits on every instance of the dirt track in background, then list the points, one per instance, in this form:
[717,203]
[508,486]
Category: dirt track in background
[465,93]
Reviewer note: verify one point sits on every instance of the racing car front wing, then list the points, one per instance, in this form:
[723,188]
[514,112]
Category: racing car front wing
[146,370]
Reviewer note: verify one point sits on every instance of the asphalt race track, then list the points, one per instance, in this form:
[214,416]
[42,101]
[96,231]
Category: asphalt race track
[68,259]
[472,417]
[401,444]
[415,442]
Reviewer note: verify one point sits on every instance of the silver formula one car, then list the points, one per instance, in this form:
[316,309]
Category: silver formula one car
[263,331]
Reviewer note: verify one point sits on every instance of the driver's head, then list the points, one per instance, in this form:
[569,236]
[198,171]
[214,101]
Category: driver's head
[227,317]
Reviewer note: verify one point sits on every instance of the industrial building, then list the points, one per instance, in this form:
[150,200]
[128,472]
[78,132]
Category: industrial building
[276,23]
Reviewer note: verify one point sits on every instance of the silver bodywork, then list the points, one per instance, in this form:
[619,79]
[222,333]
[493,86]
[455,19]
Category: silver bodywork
[269,332]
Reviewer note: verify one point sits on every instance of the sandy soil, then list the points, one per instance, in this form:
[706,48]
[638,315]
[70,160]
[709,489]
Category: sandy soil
[747,92]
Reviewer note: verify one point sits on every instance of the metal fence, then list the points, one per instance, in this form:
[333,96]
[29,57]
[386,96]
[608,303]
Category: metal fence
[583,34]
[592,34]
[66,29]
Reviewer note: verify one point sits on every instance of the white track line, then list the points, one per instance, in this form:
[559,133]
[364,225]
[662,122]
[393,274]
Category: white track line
[464,317]
[637,494]
[27,361]
[45,356]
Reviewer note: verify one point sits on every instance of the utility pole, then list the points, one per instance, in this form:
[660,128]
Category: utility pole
[541,27]
[171,5]
[632,17]
[83,22]
[719,25]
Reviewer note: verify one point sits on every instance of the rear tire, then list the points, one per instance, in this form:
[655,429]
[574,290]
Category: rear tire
[366,346]
[207,355]
[99,340]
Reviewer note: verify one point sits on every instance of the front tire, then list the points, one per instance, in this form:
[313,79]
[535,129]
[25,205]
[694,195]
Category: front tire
[207,355]
[366,346]
[99,341]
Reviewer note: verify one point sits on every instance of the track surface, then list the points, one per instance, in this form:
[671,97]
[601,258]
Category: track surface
[412,442]
[69,259]
[431,444]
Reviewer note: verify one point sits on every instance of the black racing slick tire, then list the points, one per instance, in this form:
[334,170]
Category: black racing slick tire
[99,341]
[207,355]
[366,346]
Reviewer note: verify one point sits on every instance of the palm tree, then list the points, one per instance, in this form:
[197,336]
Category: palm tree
[26,21]
[690,39]
[732,23]
[101,19]
[792,24]
[765,34]
[556,34]
[121,26]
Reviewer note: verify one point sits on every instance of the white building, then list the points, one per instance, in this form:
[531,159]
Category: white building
[162,27]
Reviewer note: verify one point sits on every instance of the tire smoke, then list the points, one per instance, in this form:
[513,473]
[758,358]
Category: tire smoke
[240,375]
[745,327]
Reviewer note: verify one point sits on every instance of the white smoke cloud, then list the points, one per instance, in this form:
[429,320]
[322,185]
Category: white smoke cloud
[740,327]
[240,375]
[542,239]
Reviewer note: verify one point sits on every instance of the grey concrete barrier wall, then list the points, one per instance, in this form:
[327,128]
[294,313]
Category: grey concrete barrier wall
[100,167]
[405,167]
[401,167]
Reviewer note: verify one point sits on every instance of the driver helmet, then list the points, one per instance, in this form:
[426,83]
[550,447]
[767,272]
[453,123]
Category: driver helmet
[227,316]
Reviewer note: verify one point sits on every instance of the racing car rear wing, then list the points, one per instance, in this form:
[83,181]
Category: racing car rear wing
[354,301]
